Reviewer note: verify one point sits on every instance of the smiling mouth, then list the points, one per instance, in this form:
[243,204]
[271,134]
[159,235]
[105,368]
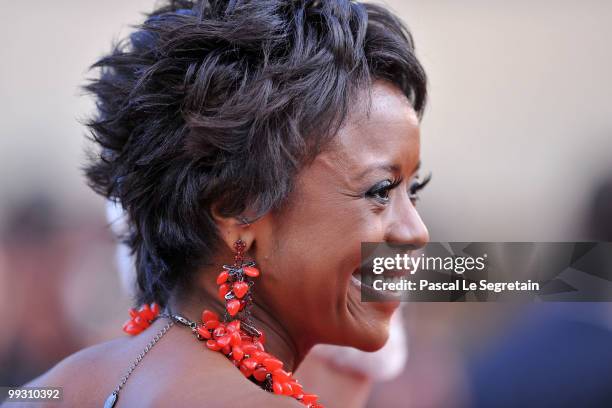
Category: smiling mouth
[368,291]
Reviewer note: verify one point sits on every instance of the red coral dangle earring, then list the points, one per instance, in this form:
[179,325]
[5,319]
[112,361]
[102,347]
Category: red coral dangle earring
[235,282]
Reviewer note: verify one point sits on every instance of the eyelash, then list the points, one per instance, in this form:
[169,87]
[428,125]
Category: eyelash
[383,187]
[416,186]
[389,185]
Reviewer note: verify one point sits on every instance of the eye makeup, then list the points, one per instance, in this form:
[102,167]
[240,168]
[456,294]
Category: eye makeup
[416,186]
[380,191]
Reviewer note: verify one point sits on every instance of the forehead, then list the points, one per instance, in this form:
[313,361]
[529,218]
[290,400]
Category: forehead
[386,131]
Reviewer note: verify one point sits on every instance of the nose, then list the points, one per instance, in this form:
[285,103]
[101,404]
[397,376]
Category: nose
[405,225]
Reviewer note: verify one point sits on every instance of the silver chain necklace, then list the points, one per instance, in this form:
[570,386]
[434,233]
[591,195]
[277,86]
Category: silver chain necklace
[111,400]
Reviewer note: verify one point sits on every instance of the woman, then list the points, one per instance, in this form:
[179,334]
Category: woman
[254,146]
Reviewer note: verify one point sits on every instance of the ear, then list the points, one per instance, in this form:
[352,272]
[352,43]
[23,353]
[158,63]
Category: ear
[232,229]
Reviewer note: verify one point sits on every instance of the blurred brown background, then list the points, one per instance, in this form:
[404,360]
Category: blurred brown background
[518,134]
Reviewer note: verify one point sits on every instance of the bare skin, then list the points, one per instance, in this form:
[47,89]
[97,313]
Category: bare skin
[307,253]
[339,388]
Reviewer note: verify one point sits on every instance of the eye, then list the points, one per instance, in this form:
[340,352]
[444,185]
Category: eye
[416,186]
[380,191]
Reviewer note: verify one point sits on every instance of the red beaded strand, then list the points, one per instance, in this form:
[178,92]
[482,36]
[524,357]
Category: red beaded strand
[236,338]
[141,319]
[247,352]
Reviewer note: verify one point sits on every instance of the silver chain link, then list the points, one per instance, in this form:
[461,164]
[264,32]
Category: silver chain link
[143,353]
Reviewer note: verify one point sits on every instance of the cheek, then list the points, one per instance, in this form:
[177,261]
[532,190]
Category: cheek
[314,250]
[305,254]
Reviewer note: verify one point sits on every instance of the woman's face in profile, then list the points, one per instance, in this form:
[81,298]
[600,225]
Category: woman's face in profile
[356,191]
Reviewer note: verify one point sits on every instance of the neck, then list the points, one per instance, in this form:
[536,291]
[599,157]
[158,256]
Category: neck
[278,342]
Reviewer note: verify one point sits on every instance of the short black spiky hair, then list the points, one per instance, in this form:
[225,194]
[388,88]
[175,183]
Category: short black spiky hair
[222,102]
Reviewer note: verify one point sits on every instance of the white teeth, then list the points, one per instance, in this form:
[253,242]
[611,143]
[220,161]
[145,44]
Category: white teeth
[393,279]
[356,280]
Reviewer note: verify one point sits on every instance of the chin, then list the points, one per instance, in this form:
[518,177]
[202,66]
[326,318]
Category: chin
[369,321]
[374,343]
[373,338]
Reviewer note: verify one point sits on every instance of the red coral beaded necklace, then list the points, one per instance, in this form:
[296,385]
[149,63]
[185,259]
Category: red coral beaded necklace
[234,335]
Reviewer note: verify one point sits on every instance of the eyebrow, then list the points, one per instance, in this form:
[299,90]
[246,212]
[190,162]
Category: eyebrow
[391,168]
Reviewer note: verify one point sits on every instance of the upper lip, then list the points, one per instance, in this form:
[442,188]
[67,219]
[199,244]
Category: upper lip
[386,274]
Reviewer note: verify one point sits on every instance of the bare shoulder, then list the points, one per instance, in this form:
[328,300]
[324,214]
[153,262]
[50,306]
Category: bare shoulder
[82,375]
[232,391]
[177,372]
[74,366]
